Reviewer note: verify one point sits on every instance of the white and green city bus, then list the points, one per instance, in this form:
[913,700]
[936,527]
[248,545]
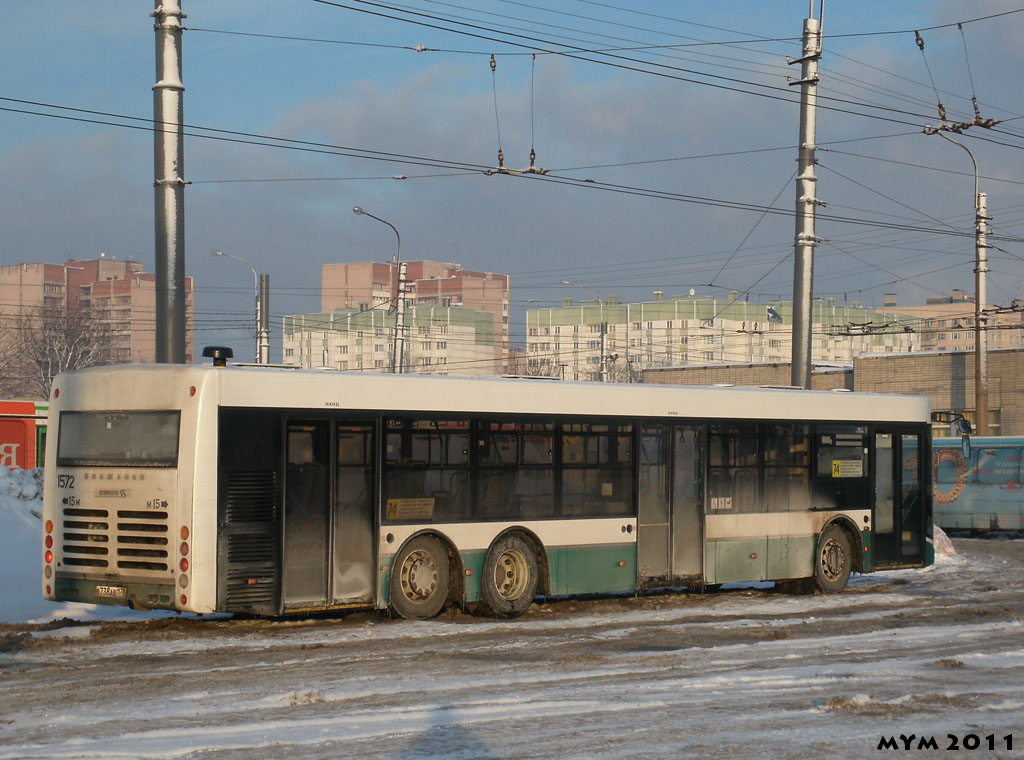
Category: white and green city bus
[275,491]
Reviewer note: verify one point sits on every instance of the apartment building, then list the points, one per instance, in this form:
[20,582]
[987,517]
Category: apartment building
[368,285]
[947,323]
[438,340]
[114,297]
[567,341]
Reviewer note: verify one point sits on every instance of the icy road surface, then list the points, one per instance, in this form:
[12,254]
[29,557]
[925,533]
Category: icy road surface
[741,673]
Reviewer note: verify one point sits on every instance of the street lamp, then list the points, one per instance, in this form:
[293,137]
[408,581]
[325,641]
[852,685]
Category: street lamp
[397,358]
[604,326]
[980,296]
[262,336]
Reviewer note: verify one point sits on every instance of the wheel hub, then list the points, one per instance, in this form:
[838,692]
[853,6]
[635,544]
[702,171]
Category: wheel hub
[419,575]
[833,559]
[511,574]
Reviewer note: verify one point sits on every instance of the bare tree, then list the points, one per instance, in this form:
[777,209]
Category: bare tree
[525,366]
[10,356]
[54,340]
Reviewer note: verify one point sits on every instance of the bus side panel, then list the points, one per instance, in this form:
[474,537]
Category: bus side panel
[597,569]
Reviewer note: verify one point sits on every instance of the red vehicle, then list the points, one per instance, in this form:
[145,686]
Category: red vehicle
[22,434]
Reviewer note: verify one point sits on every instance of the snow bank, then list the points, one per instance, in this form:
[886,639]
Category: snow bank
[21,557]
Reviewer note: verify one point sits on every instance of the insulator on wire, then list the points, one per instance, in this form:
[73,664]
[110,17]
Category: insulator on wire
[501,159]
[917,36]
[533,156]
[494,64]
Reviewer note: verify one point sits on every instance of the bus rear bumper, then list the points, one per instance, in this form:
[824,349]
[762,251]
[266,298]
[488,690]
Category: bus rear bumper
[139,596]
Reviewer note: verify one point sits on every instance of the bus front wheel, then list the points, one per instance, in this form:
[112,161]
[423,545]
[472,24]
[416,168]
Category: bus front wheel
[509,579]
[833,560]
[419,579]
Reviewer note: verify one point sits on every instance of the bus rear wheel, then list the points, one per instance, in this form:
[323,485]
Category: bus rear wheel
[419,579]
[509,579]
[833,560]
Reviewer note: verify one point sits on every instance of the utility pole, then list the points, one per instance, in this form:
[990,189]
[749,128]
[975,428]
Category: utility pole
[169,184]
[399,359]
[980,316]
[806,201]
[263,321]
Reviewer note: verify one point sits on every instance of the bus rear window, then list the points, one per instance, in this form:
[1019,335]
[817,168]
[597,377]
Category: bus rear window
[128,439]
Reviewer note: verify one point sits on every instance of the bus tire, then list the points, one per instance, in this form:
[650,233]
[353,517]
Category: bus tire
[508,582]
[833,560]
[419,579]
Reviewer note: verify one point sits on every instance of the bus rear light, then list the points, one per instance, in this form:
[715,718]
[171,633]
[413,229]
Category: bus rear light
[184,600]
[184,548]
[184,533]
[49,557]
[192,391]
[47,571]
[48,590]
[183,564]
[49,542]
[49,526]
[56,392]
[183,581]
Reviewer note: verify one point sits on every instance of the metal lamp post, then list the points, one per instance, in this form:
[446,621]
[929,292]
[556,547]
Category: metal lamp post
[980,296]
[398,357]
[262,331]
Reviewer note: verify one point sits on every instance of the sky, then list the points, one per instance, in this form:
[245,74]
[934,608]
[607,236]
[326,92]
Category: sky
[690,148]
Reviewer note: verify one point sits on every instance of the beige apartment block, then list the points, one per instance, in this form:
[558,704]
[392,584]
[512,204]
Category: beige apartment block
[368,285]
[439,340]
[947,323]
[697,330]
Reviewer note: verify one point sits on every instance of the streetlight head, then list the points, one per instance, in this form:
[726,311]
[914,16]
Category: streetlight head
[216,253]
[564,282]
[356,210]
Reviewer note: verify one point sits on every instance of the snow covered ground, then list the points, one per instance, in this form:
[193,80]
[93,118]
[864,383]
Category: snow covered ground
[932,653]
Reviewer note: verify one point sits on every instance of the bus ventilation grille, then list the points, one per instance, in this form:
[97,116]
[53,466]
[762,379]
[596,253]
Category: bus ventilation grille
[142,540]
[250,575]
[86,538]
[130,539]
[251,497]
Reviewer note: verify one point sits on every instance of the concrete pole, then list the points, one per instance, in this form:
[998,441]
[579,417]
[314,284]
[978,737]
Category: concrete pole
[263,321]
[399,365]
[604,349]
[806,206]
[169,184]
[980,317]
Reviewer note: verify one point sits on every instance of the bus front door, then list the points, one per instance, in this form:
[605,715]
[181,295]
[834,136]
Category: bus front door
[306,512]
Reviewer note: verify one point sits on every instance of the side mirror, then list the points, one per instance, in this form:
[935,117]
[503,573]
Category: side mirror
[963,426]
[965,445]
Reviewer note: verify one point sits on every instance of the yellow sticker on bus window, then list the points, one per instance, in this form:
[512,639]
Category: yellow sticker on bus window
[409,509]
[847,468]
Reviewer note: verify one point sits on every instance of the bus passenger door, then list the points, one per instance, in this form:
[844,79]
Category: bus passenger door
[306,509]
[899,514]
[669,538]
[354,556]
[653,538]
[687,508]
